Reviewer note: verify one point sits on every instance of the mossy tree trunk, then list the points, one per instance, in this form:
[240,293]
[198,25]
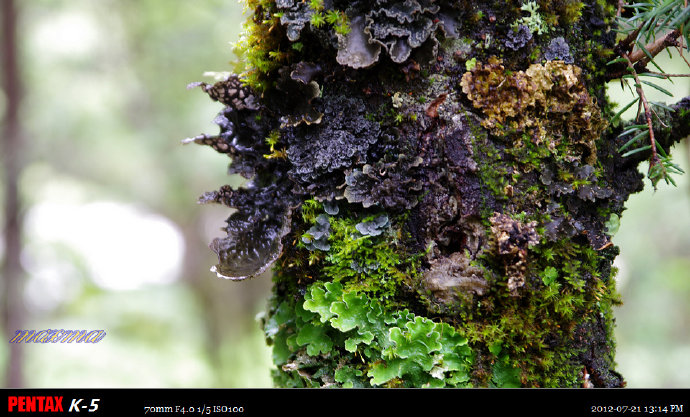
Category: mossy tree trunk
[432,183]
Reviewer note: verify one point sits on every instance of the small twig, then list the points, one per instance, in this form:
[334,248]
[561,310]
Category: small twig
[654,160]
[680,49]
[681,29]
[661,74]
[654,48]
[626,45]
[620,8]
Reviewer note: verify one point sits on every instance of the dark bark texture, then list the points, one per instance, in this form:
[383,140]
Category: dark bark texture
[432,183]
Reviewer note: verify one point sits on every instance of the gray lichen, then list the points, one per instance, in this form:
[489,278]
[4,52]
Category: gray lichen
[356,50]
[295,16]
[398,28]
[389,184]
[317,236]
[373,227]
[518,37]
[558,49]
[341,141]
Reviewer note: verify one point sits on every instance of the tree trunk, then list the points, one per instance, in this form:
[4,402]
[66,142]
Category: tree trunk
[12,272]
[433,183]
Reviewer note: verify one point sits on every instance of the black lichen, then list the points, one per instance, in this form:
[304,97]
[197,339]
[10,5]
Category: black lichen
[388,183]
[230,92]
[518,37]
[254,233]
[294,95]
[321,152]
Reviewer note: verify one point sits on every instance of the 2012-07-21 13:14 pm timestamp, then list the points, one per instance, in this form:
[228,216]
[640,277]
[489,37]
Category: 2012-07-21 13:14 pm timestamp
[644,409]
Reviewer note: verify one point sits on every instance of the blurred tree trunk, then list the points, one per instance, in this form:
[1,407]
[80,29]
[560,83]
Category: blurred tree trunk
[12,272]
[436,184]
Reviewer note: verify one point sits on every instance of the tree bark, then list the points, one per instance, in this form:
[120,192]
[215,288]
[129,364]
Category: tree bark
[12,163]
[434,184]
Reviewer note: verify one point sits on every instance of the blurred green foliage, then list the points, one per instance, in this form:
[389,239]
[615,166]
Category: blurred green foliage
[104,111]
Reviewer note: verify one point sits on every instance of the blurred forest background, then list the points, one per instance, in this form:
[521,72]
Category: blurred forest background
[112,238]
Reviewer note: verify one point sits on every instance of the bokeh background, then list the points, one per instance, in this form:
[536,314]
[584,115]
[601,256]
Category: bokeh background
[112,238]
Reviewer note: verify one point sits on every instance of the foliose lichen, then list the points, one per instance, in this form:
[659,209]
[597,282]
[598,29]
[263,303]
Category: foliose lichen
[373,227]
[513,240]
[317,236]
[518,37]
[517,100]
[558,49]
[381,183]
[339,142]
[534,21]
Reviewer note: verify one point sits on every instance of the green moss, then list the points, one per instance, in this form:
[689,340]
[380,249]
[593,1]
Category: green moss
[368,263]
[259,46]
[561,12]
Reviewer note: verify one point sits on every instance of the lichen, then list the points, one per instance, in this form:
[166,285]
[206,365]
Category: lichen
[519,100]
[373,227]
[230,92]
[388,183]
[517,38]
[453,205]
[254,233]
[341,141]
[399,28]
[356,49]
[534,21]
[513,240]
[453,279]
[295,93]
[317,236]
[558,49]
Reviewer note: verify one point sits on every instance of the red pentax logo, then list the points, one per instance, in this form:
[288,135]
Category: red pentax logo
[33,404]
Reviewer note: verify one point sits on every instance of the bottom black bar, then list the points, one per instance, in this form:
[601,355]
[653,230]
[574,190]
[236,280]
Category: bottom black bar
[317,402]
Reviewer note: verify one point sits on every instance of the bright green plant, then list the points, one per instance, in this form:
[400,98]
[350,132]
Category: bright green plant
[397,348]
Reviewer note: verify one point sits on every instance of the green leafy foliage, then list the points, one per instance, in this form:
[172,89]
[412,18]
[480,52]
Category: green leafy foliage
[315,338]
[391,348]
[504,375]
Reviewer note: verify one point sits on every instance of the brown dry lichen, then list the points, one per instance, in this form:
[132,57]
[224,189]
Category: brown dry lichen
[513,239]
[453,278]
[520,100]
